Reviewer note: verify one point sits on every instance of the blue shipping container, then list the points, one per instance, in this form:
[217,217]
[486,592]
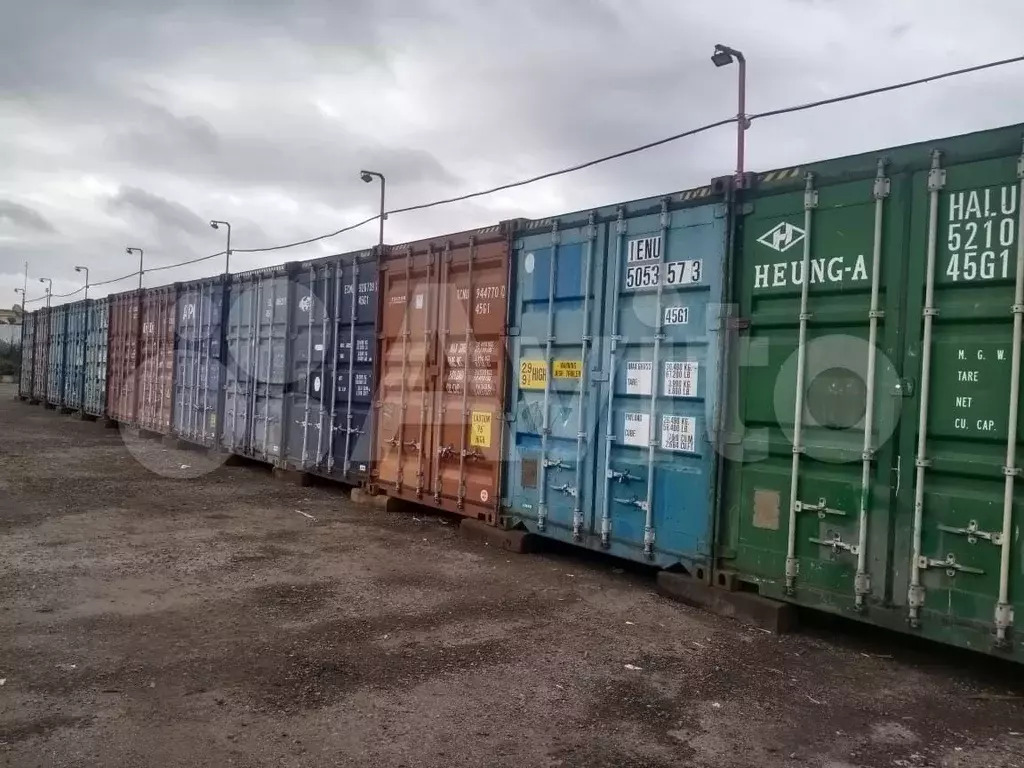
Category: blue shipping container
[77,331]
[614,342]
[199,361]
[330,388]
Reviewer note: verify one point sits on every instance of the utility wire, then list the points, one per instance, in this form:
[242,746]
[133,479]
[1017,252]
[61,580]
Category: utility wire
[587,164]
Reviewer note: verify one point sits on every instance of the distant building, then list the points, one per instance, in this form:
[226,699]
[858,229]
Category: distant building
[10,325]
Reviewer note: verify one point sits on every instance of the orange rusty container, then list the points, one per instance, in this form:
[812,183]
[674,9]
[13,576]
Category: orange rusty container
[439,409]
[156,366]
[123,356]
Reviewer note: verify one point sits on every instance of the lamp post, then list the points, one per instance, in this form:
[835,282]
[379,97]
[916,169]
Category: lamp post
[139,251]
[723,56]
[49,289]
[86,270]
[227,259]
[369,176]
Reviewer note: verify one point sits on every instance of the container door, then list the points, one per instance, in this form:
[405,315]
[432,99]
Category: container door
[820,275]
[408,374]
[27,349]
[267,432]
[352,368]
[199,369]
[470,369]
[244,297]
[556,349]
[41,358]
[96,358]
[655,482]
[309,385]
[959,545]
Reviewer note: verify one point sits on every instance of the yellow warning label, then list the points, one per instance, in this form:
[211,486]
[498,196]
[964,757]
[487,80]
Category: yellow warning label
[480,429]
[568,369]
[533,374]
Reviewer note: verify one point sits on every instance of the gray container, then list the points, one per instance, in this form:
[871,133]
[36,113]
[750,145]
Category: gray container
[256,337]
[331,362]
[57,363]
[199,361]
[28,348]
[94,400]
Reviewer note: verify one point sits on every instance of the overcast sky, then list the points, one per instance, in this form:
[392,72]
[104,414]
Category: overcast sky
[125,122]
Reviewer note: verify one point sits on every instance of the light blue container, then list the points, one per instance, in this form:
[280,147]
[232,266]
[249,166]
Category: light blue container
[622,305]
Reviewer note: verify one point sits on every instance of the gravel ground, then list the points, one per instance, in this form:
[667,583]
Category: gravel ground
[156,613]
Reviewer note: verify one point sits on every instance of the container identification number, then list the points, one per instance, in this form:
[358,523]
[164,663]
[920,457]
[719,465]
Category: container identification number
[981,234]
[676,316]
[685,272]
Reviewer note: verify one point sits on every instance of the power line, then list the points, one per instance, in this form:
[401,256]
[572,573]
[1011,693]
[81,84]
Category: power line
[584,165]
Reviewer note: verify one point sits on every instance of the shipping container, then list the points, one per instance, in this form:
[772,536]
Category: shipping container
[441,354]
[28,343]
[94,400]
[123,356]
[256,336]
[56,372]
[871,452]
[77,333]
[199,349]
[40,354]
[156,359]
[329,398]
[614,342]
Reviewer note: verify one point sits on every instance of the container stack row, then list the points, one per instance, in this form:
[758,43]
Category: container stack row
[802,383]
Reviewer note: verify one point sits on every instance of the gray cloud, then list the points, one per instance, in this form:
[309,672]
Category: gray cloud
[167,214]
[22,216]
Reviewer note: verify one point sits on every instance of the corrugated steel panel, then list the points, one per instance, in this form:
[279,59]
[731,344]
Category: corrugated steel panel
[257,363]
[77,333]
[156,353]
[28,342]
[199,348]
[873,451]
[95,398]
[441,352]
[57,365]
[331,386]
[41,355]
[123,356]
[615,351]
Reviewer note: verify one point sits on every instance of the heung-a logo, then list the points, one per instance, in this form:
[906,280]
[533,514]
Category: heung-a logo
[305,303]
[782,236]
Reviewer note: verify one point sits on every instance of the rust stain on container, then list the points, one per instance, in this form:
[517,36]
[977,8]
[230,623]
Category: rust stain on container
[123,356]
[155,378]
[441,350]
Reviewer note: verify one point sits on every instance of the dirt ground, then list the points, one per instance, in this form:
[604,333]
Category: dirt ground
[154,613]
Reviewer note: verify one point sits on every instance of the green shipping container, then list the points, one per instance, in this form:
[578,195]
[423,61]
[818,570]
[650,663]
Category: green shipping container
[881,295]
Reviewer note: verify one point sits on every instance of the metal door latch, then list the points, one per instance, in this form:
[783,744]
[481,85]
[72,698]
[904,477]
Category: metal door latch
[821,508]
[567,489]
[973,533]
[950,564]
[621,477]
[634,502]
[446,451]
[473,454]
[837,544]
[555,464]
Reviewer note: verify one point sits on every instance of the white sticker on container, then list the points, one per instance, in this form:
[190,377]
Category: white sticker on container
[681,378]
[528,263]
[676,316]
[678,433]
[639,377]
[484,495]
[644,249]
[636,429]
[417,301]
[318,347]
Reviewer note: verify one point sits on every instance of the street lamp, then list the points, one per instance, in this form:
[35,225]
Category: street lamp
[723,56]
[49,289]
[24,297]
[130,251]
[369,176]
[86,270]
[227,259]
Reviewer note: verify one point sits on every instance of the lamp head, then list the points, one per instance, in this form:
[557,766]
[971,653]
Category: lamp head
[214,225]
[366,176]
[722,56]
